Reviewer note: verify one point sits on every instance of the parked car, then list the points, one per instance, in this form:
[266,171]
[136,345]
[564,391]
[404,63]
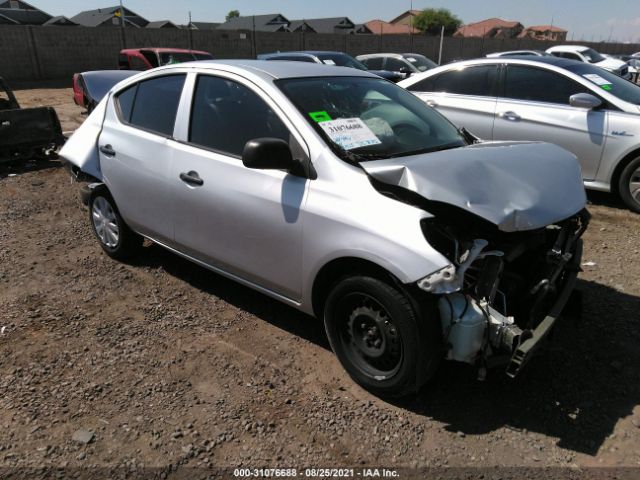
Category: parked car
[146,58]
[418,242]
[90,87]
[405,63]
[519,53]
[589,55]
[330,58]
[589,111]
[634,66]
[27,133]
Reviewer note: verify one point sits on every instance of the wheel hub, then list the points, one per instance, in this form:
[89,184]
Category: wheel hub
[104,222]
[634,185]
[369,329]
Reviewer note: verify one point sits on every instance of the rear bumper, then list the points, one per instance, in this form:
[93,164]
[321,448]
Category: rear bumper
[528,347]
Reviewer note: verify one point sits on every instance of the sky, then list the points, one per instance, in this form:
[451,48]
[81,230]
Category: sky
[584,19]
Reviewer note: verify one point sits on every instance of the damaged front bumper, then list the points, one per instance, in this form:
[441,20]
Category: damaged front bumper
[501,298]
[528,347]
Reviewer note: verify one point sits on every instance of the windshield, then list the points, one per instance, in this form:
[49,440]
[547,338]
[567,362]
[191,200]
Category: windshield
[341,60]
[604,79]
[169,58]
[421,62]
[370,117]
[592,56]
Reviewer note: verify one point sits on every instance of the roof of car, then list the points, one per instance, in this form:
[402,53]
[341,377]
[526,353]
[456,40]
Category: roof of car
[307,52]
[279,69]
[374,55]
[568,48]
[550,60]
[162,50]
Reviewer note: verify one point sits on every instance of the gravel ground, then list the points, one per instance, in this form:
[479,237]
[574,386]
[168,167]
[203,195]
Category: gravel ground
[159,364]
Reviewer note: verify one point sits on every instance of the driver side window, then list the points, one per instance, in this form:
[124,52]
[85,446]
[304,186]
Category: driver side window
[225,115]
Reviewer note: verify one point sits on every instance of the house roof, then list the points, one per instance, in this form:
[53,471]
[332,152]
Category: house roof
[264,23]
[385,28]
[205,25]
[325,25]
[60,20]
[25,14]
[404,14]
[161,24]
[484,27]
[93,18]
[546,28]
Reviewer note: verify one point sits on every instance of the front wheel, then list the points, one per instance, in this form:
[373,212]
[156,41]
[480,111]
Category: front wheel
[377,335]
[115,237]
[629,185]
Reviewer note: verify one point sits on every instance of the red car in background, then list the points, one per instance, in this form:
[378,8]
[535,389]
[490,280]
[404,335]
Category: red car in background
[146,58]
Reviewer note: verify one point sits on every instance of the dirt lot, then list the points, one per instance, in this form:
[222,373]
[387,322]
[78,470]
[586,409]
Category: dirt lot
[172,367]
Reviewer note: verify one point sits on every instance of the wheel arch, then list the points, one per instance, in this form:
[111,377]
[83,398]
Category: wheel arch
[620,166]
[338,268]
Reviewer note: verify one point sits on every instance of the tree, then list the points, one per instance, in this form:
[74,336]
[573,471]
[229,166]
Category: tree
[233,14]
[431,20]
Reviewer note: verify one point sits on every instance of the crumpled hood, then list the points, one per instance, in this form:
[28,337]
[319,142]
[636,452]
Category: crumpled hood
[514,185]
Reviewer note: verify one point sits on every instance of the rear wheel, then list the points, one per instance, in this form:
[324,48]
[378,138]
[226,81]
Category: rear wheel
[629,185]
[378,336]
[115,237]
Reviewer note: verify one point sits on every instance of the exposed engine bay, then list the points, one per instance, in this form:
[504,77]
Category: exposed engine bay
[503,291]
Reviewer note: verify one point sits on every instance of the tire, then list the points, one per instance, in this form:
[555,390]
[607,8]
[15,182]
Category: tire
[115,237]
[379,337]
[629,185]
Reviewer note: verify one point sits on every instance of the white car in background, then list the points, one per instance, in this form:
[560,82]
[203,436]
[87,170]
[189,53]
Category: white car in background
[589,55]
[587,110]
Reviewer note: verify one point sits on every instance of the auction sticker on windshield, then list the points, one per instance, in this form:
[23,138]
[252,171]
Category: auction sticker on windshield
[350,133]
[597,79]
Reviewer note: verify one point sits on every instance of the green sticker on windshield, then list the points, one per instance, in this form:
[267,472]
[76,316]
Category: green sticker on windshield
[606,87]
[321,116]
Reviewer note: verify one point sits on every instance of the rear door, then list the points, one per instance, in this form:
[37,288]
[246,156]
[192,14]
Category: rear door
[466,96]
[246,222]
[534,105]
[134,156]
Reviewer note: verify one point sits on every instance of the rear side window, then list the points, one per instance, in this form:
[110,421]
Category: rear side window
[478,81]
[396,65]
[537,85]
[152,104]
[226,115]
[373,63]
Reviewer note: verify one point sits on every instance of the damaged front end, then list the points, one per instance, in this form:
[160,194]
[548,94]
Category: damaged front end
[509,217]
[502,293]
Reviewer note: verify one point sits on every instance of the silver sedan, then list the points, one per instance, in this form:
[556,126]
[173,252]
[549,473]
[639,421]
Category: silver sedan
[344,196]
[588,110]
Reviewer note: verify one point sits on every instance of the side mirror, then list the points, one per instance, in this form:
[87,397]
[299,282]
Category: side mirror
[584,100]
[268,154]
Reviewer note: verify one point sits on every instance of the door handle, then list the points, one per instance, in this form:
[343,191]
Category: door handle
[432,103]
[512,116]
[192,178]
[108,150]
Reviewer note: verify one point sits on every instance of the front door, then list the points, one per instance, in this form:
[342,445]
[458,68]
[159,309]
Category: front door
[535,106]
[243,221]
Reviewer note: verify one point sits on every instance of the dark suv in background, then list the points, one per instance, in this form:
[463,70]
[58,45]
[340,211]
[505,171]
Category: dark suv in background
[338,59]
[406,64]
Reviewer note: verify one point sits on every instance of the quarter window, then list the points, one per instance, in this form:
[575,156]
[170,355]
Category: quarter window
[152,104]
[476,80]
[226,115]
[535,84]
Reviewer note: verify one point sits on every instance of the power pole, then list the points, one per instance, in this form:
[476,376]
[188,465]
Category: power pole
[121,15]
